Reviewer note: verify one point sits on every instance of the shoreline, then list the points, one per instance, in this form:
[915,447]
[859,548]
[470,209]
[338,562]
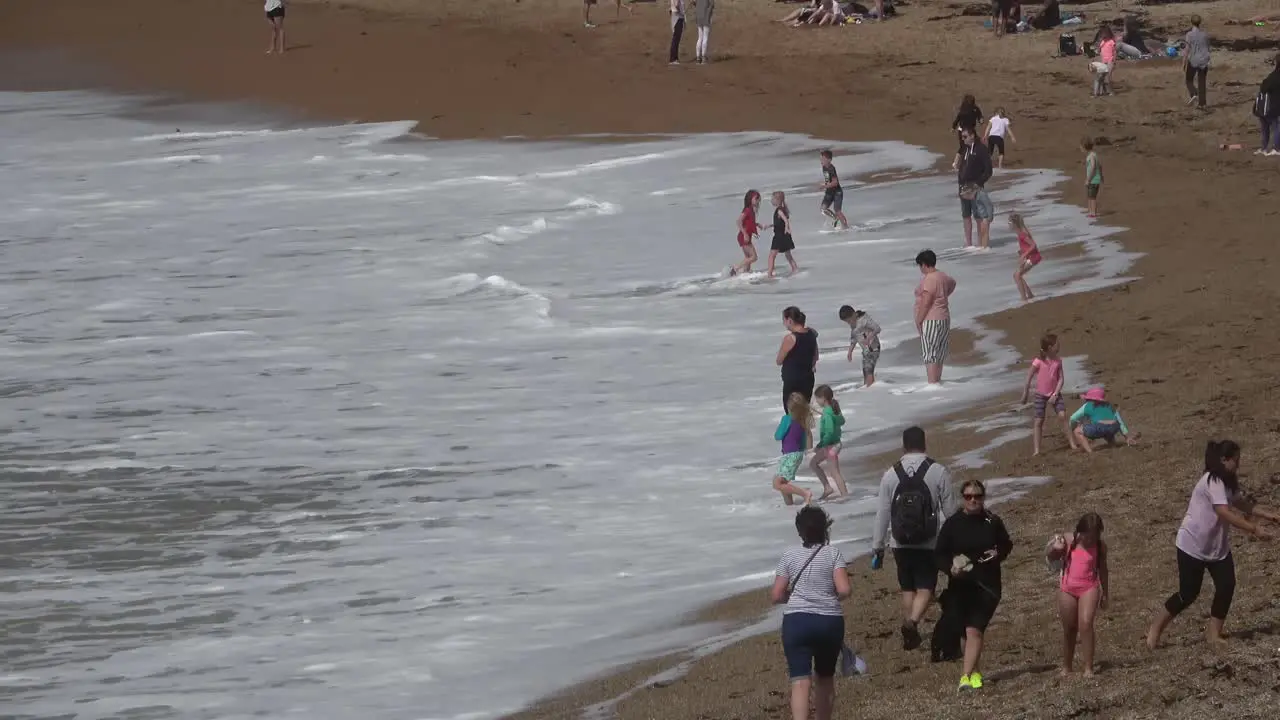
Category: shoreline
[1168,314]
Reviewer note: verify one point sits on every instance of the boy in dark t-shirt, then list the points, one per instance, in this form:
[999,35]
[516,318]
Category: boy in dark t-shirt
[833,194]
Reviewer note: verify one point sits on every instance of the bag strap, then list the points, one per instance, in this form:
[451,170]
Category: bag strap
[918,475]
[792,587]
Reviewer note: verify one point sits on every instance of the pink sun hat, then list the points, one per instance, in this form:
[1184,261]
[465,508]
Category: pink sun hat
[1095,394]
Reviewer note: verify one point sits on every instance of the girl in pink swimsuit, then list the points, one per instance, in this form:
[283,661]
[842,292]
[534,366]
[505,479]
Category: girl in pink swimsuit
[1028,255]
[1082,588]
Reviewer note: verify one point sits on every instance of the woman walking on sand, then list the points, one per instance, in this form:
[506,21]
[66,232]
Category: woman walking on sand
[275,18]
[811,580]
[971,546]
[797,356]
[1204,540]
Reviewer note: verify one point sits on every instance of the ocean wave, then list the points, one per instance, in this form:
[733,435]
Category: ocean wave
[472,285]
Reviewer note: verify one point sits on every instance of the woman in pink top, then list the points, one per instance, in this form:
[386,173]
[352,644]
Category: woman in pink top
[1028,255]
[1082,587]
[1102,70]
[1046,371]
[1203,543]
[933,314]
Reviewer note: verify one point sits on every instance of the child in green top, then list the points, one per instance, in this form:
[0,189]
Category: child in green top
[828,447]
[1098,419]
[1092,175]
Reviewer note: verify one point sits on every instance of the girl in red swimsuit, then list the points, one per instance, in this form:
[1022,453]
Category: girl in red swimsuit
[747,229]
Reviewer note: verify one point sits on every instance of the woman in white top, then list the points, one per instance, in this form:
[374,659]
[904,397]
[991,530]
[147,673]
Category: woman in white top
[997,127]
[275,17]
[811,581]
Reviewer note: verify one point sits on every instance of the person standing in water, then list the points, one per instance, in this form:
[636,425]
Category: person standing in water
[794,434]
[933,314]
[747,230]
[1028,255]
[702,12]
[798,356]
[782,242]
[275,18]
[832,193]
[865,331]
[828,448]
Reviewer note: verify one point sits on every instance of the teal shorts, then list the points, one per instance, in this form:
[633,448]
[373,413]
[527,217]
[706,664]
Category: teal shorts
[788,465]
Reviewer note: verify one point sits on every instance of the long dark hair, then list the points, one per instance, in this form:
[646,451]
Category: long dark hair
[793,314]
[746,199]
[828,396]
[813,525]
[1215,454]
[968,103]
[1090,522]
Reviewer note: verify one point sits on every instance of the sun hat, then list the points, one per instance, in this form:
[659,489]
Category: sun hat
[1095,394]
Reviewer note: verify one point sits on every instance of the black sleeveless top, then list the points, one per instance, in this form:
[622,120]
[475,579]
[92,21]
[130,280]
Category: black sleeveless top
[798,364]
[779,224]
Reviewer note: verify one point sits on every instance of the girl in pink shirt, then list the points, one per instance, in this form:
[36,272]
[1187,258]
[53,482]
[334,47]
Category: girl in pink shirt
[1046,371]
[1082,587]
[1028,255]
[1102,70]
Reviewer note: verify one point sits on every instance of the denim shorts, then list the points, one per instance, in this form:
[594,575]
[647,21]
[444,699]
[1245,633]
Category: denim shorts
[1100,431]
[812,644]
[979,207]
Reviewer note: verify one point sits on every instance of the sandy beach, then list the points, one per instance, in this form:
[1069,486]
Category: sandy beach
[1185,348]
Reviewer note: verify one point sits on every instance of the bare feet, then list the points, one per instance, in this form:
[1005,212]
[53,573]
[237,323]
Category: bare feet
[1088,673]
[808,497]
[826,494]
[1065,672]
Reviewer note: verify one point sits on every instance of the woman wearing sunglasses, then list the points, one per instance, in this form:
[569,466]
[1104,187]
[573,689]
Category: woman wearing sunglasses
[971,546]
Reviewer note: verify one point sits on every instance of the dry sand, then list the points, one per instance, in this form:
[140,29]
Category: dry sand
[1188,349]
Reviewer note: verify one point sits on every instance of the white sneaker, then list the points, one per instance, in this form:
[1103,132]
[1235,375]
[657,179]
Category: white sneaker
[1259,152]
[1273,153]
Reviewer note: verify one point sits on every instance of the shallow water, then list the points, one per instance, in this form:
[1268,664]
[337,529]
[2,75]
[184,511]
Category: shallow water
[337,420]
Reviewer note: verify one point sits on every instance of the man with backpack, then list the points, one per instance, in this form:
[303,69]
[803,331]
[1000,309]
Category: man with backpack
[915,498]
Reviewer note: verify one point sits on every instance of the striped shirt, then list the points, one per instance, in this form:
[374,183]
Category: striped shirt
[815,592]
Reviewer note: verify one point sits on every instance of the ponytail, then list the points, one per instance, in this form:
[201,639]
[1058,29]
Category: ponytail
[1215,455]
[828,396]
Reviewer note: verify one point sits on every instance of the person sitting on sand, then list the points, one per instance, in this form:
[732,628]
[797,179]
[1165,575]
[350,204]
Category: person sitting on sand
[811,580]
[915,500]
[1083,585]
[275,18]
[1204,543]
[971,547]
[1098,419]
[801,15]
[1050,16]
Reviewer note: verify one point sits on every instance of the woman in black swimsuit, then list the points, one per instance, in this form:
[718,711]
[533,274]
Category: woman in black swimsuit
[798,356]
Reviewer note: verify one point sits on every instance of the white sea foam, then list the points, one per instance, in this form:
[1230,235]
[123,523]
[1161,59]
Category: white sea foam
[435,418]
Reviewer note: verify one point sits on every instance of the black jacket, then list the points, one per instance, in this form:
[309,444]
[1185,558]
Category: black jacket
[967,119]
[975,167]
[972,536]
[1271,86]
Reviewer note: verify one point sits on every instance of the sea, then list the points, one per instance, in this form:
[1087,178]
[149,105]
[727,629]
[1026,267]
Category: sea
[344,421]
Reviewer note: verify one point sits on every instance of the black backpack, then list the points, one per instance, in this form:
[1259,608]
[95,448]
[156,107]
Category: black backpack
[912,517]
[1067,45]
[1262,106]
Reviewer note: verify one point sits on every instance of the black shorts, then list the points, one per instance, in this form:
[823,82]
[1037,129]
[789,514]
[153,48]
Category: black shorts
[802,385]
[783,243]
[917,569]
[834,199]
[276,13]
[974,605]
[995,144]
[1092,191]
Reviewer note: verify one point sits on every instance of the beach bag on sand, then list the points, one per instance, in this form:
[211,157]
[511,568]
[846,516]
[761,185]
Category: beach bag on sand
[944,644]
[912,516]
[1067,45]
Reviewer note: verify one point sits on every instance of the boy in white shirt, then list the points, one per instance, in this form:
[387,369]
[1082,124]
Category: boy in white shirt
[997,127]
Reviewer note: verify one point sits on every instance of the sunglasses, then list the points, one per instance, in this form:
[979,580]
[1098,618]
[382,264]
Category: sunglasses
[970,496]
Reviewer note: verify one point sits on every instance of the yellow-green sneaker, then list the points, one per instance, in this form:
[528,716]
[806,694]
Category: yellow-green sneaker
[966,683]
[975,680]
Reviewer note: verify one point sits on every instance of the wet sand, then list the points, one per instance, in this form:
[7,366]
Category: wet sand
[1187,349]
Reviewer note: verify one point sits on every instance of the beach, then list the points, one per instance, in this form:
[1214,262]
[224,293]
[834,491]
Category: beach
[1185,347]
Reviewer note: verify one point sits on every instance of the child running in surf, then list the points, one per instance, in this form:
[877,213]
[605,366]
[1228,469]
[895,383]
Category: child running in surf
[793,432]
[782,242]
[828,448]
[833,194]
[1046,372]
[747,229]
[1028,255]
[866,332]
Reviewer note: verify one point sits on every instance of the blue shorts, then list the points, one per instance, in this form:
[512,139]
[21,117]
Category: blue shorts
[1100,431]
[812,644]
[1042,405]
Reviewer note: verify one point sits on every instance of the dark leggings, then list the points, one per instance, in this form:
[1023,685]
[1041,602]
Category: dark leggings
[803,385]
[677,30]
[1196,80]
[1191,577]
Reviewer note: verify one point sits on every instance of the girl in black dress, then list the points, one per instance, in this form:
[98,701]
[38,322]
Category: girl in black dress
[782,242]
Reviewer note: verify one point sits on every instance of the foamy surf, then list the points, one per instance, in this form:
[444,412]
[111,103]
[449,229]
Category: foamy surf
[305,368]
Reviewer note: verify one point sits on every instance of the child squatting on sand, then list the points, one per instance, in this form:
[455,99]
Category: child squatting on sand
[793,432]
[1082,588]
[1098,419]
